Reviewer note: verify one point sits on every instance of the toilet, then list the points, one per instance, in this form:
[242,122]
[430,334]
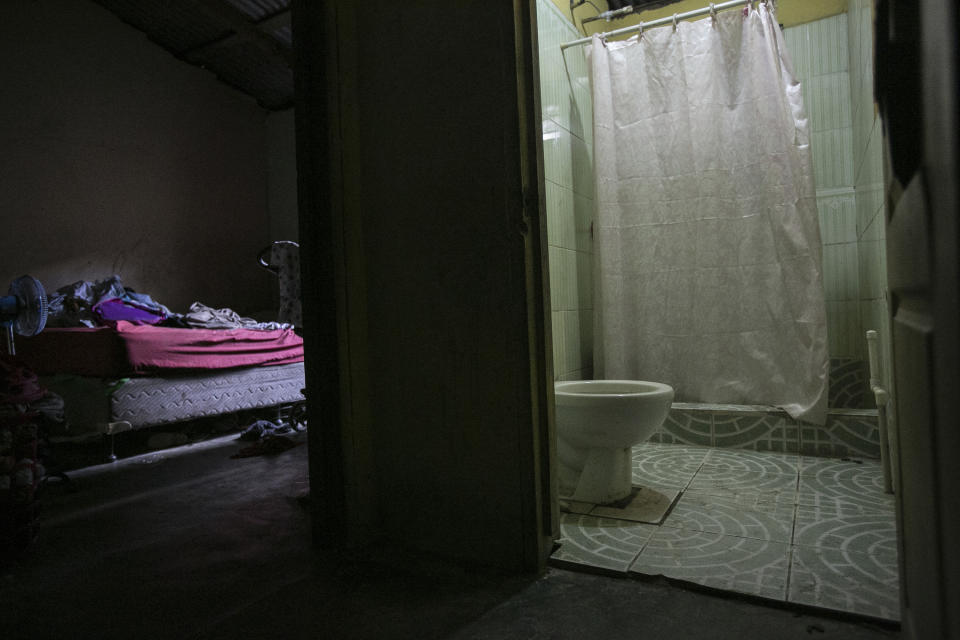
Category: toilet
[598,422]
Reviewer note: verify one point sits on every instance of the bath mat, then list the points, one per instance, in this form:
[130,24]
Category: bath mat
[642,505]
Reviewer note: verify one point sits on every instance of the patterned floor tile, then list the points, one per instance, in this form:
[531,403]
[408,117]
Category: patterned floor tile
[737,483]
[845,580]
[752,461]
[759,431]
[666,466]
[827,481]
[734,523]
[847,529]
[744,565]
[687,427]
[847,382]
[600,542]
[760,519]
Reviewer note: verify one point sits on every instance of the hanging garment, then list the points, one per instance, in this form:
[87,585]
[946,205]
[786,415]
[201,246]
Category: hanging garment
[707,252]
[285,259]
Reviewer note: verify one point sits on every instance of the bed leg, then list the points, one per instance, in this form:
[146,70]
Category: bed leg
[112,429]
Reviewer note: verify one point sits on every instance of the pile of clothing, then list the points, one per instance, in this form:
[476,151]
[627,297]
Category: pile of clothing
[106,302]
[93,304]
[25,410]
[269,438]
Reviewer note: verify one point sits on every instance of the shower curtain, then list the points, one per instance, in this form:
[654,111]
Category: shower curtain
[707,242]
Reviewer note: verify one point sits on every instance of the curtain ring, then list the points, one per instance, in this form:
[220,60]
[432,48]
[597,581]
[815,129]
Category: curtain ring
[674,22]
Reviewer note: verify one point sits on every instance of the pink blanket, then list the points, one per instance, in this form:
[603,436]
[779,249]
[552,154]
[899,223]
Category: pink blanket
[142,349]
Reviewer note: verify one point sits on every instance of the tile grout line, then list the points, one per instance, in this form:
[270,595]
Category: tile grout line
[793,531]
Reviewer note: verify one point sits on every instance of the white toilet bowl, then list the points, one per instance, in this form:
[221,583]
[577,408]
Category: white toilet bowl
[598,421]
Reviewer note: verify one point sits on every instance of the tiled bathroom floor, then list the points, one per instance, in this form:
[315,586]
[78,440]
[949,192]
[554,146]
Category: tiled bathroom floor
[813,531]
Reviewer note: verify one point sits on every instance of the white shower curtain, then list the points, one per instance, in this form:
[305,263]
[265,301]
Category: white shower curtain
[707,244]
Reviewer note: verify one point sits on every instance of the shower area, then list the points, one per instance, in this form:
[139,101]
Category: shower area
[776,496]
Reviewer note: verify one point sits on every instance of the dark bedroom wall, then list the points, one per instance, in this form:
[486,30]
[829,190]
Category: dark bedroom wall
[282,175]
[115,157]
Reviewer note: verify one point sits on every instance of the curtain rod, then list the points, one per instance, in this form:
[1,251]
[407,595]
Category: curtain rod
[660,21]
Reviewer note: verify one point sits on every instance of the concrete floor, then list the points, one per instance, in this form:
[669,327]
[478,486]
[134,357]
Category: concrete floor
[204,546]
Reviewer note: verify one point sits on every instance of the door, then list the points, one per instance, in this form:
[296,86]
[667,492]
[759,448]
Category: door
[916,82]
[422,255]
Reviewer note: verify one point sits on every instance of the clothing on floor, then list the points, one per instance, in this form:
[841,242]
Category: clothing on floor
[269,445]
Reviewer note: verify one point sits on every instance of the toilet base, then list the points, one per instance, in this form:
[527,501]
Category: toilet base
[606,477]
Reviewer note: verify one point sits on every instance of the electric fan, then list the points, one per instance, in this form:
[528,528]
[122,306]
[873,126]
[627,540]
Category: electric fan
[23,310]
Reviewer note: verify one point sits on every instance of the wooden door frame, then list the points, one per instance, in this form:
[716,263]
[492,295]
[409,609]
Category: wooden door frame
[918,68]
[344,491]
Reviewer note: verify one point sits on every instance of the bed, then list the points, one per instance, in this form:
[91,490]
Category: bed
[130,376]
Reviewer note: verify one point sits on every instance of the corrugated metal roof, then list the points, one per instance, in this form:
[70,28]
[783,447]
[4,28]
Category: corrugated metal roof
[284,34]
[260,9]
[244,66]
[246,43]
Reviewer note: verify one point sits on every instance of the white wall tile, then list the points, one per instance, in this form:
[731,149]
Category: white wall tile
[586,342]
[584,268]
[832,158]
[555,274]
[551,198]
[869,208]
[564,281]
[843,329]
[561,221]
[828,45]
[841,272]
[583,223]
[871,165]
[872,282]
[573,357]
[828,101]
[838,218]
[559,355]
[568,169]
[797,41]
[874,314]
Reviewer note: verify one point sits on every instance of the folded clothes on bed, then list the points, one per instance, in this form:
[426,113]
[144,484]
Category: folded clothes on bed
[203,317]
[106,302]
[113,310]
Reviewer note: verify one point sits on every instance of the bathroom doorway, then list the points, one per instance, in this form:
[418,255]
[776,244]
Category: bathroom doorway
[772,495]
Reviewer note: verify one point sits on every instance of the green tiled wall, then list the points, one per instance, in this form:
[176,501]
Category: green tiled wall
[821,61]
[834,60]
[568,172]
[868,182]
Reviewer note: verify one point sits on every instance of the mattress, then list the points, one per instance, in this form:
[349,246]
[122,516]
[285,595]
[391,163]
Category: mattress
[102,405]
[150,401]
[128,349]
